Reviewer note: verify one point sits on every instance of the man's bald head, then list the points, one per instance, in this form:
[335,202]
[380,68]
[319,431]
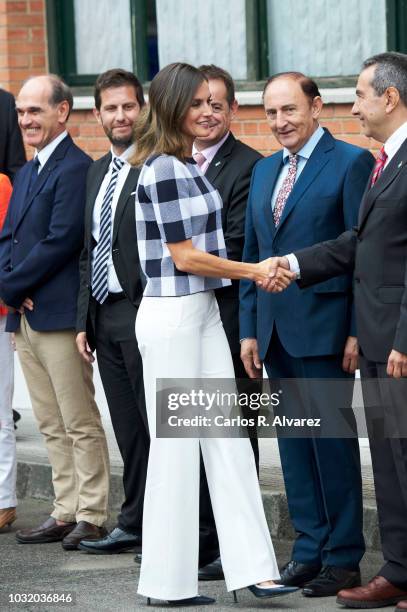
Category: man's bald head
[43,107]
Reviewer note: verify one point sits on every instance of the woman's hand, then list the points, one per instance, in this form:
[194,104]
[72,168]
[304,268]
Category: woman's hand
[273,274]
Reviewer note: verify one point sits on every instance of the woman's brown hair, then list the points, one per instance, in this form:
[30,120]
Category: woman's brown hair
[158,128]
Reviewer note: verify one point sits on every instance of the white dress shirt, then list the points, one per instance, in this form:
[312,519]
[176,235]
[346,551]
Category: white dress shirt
[394,142]
[45,153]
[113,284]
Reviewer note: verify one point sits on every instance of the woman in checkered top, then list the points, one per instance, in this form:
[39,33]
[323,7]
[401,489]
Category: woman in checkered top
[180,335]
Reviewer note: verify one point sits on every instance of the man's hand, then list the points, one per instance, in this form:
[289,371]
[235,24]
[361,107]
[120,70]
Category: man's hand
[28,303]
[83,347]
[249,354]
[351,355]
[397,364]
[278,274]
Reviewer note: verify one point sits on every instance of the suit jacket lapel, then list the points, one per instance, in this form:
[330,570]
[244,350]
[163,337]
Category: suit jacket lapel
[318,159]
[52,163]
[389,174]
[129,186]
[218,161]
[94,190]
[21,203]
[276,165]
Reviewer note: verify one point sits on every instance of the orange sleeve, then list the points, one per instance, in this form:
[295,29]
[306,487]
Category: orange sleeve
[5,194]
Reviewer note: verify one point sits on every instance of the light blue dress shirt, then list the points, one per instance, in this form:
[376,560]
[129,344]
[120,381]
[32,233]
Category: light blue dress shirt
[303,156]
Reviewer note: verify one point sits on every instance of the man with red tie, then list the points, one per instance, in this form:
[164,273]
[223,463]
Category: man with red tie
[376,251]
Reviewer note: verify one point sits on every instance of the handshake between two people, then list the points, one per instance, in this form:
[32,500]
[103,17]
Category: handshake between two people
[274,275]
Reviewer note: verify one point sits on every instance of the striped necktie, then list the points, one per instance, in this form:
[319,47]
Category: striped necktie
[379,165]
[99,276]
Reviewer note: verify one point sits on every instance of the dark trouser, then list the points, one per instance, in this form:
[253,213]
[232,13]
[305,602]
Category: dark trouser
[208,538]
[385,401]
[322,475]
[121,372]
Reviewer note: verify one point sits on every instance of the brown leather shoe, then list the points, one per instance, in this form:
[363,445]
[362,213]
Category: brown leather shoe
[402,605]
[82,531]
[7,516]
[47,532]
[377,593]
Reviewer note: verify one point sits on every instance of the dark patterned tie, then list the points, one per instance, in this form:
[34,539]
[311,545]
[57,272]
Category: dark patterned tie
[99,277]
[285,189]
[379,165]
[34,173]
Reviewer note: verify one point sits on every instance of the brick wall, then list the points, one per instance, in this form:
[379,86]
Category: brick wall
[23,52]
[250,126]
[23,41]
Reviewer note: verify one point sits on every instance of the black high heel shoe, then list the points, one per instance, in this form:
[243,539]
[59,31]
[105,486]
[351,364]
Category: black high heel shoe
[198,600]
[276,591]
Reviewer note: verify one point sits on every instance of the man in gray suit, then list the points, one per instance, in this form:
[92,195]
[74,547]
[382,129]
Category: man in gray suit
[376,251]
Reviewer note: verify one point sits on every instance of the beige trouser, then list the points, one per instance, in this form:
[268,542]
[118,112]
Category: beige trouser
[62,395]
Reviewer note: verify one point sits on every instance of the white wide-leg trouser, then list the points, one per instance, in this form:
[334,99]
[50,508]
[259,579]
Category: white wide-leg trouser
[183,337]
[8,460]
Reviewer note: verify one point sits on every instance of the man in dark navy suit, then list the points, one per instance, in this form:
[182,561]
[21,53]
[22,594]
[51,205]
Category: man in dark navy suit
[311,190]
[39,281]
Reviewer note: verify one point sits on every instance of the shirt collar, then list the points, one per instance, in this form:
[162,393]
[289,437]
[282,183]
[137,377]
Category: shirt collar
[392,144]
[45,153]
[125,156]
[211,151]
[309,146]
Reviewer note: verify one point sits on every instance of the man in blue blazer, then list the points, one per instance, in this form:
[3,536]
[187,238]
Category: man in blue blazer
[310,191]
[39,281]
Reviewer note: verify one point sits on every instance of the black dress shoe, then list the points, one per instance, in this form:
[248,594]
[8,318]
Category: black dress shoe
[16,417]
[199,600]
[117,541]
[212,571]
[138,558]
[330,581]
[297,574]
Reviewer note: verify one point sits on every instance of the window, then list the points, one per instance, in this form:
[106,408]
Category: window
[250,38]
[87,37]
[324,38]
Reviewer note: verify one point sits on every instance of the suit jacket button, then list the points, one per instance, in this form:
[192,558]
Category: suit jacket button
[15,241]
[357,279]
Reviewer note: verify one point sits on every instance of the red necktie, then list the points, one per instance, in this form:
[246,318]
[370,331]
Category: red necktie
[379,165]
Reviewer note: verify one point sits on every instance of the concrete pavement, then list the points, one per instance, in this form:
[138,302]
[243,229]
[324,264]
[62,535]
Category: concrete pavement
[109,583]
[34,478]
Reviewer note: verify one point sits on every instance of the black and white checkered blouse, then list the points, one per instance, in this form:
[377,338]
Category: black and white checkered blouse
[175,202]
